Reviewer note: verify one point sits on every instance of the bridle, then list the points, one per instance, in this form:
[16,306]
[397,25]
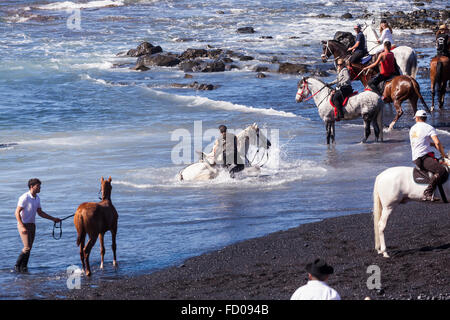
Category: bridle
[327,49]
[308,92]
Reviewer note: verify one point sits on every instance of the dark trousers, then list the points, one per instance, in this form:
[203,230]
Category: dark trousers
[432,164]
[339,97]
[375,81]
[356,56]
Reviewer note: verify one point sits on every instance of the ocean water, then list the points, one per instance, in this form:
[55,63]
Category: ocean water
[72,111]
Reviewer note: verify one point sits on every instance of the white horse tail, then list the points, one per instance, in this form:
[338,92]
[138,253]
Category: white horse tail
[377,210]
[411,65]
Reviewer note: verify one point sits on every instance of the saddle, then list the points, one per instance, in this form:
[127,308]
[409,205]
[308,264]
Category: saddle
[424,177]
[344,103]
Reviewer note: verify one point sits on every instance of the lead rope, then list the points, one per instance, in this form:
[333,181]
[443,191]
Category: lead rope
[58,225]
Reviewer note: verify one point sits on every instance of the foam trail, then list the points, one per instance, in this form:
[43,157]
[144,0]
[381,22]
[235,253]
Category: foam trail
[71,5]
[195,101]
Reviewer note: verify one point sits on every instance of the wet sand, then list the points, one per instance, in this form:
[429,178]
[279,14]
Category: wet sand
[272,267]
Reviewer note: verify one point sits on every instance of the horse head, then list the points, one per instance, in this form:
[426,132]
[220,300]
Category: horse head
[106,188]
[303,90]
[326,52]
[254,136]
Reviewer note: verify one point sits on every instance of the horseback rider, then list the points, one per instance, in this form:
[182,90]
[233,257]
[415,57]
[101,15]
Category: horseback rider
[386,35]
[359,49]
[422,137]
[442,41]
[386,61]
[343,89]
[226,145]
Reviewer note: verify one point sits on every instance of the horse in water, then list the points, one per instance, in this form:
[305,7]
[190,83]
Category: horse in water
[94,219]
[399,89]
[439,75]
[392,187]
[367,105]
[207,169]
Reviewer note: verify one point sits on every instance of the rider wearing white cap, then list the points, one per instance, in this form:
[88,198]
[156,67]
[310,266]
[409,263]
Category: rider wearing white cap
[423,137]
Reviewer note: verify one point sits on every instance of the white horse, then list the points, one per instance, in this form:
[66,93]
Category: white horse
[367,105]
[206,168]
[392,187]
[405,56]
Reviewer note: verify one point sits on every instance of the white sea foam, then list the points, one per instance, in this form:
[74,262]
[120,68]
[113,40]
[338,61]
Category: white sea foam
[202,102]
[73,5]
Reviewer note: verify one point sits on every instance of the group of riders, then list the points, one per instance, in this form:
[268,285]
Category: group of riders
[422,135]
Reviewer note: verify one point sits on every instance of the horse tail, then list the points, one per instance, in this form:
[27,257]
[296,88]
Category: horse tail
[411,65]
[377,210]
[438,76]
[79,225]
[417,91]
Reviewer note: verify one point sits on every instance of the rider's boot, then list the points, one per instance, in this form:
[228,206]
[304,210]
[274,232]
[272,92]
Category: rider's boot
[18,265]
[429,191]
[24,265]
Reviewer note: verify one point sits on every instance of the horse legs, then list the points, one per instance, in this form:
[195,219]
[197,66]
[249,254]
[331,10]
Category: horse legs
[102,249]
[376,128]
[333,135]
[87,251]
[381,226]
[82,240]
[398,108]
[328,128]
[367,121]
[442,94]
[113,246]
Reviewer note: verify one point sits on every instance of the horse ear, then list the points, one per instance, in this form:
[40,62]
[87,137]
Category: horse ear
[109,180]
[102,180]
[323,42]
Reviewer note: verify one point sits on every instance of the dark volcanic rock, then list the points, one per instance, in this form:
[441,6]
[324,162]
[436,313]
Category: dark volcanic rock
[143,49]
[347,16]
[195,85]
[245,30]
[292,68]
[193,53]
[260,75]
[158,59]
[346,38]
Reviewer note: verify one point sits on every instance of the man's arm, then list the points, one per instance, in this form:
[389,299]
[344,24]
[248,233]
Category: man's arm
[438,145]
[354,47]
[22,228]
[46,216]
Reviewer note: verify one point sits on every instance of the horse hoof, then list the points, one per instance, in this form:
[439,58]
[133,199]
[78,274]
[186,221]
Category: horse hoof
[385,255]
[115,264]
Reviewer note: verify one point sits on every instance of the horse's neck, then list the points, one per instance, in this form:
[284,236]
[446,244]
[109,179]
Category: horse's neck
[316,85]
[338,49]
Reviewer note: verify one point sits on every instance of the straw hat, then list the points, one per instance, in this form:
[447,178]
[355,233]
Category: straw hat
[443,27]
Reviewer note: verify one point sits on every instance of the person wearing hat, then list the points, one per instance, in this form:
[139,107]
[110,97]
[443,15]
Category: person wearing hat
[317,288]
[442,41]
[343,88]
[422,138]
[359,49]
[386,35]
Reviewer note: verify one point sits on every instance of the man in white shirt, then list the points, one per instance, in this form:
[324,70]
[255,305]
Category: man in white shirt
[423,137]
[28,205]
[317,288]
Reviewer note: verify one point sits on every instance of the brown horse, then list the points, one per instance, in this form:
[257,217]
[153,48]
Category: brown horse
[439,75]
[399,89]
[95,219]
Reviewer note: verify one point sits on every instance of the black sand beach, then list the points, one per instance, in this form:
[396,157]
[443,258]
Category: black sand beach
[272,267]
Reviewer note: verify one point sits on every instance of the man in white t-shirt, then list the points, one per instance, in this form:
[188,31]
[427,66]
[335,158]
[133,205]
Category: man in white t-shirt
[423,138]
[28,205]
[317,288]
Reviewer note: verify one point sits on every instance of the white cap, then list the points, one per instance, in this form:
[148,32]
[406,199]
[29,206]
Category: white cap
[420,113]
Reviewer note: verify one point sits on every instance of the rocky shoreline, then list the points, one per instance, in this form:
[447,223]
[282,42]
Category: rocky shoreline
[272,267]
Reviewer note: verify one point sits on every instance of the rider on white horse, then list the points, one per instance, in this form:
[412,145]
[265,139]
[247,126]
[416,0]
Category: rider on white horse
[386,35]
[423,137]
[225,152]
[343,88]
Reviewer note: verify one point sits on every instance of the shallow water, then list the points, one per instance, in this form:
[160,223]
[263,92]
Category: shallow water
[69,116]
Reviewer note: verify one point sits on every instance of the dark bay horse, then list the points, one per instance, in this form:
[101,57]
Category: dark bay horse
[94,219]
[439,75]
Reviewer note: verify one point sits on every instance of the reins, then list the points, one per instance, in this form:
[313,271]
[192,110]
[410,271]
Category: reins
[58,225]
